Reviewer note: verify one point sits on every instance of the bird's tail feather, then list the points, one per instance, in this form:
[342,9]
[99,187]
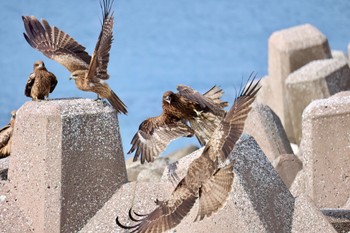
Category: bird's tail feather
[215,191]
[117,103]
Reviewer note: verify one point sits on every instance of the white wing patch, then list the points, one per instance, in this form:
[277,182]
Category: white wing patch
[142,139]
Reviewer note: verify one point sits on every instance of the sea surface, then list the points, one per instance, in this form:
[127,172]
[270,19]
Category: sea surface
[159,44]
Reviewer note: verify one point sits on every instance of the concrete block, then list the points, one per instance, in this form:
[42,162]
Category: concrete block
[139,195]
[308,218]
[259,202]
[287,167]
[265,94]
[339,218]
[11,217]
[265,126]
[67,161]
[316,80]
[153,171]
[338,54]
[325,148]
[290,49]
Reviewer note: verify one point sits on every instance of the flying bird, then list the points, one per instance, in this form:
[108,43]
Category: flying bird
[209,178]
[202,112]
[89,73]
[40,83]
[6,137]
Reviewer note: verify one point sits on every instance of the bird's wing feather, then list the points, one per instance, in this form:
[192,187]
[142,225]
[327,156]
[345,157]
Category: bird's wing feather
[168,213]
[29,84]
[55,44]
[215,94]
[100,57]
[203,101]
[204,126]
[228,132]
[5,134]
[53,81]
[214,192]
[154,135]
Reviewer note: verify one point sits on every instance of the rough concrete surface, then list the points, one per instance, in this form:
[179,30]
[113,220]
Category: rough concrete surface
[12,219]
[340,219]
[338,54]
[316,80]
[325,148]
[66,162]
[265,126]
[259,202]
[290,49]
[287,167]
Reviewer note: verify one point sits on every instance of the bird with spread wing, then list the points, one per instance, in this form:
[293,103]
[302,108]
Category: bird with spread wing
[40,82]
[89,73]
[203,112]
[6,136]
[209,178]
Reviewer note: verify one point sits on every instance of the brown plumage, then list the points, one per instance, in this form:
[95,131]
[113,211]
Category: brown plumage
[203,112]
[209,178]
[89,73]
[40,83]
[6,137]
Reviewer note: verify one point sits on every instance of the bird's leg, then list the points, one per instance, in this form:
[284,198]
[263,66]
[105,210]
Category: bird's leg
[98,98]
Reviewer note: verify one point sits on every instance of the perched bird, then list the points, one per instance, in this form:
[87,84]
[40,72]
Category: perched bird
[203,112]
[6,137]
[89,73]
[209,178]
[40,83]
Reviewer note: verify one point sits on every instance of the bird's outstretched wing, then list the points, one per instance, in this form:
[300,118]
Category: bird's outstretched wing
[205,178]
[214,191]
[155,134]
[205,102]
[231,127]
[167,214]
[213,111]
[55,44]
[215,94]
[100,57]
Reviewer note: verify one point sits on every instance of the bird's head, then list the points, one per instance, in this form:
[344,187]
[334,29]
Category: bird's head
[13,114]
[167,96]
[39,65]
[77,74]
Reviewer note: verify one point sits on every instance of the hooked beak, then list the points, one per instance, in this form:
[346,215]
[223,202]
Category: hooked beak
[168,99]
[71,77]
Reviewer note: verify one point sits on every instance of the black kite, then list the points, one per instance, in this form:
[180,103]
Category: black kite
[40,83]
[89,73]
[203,112]
[6,136]
[209,178]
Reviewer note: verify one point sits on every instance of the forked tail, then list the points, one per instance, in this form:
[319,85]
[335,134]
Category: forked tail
[117,104]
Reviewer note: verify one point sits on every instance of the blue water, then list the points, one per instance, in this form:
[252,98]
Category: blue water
[160,44]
